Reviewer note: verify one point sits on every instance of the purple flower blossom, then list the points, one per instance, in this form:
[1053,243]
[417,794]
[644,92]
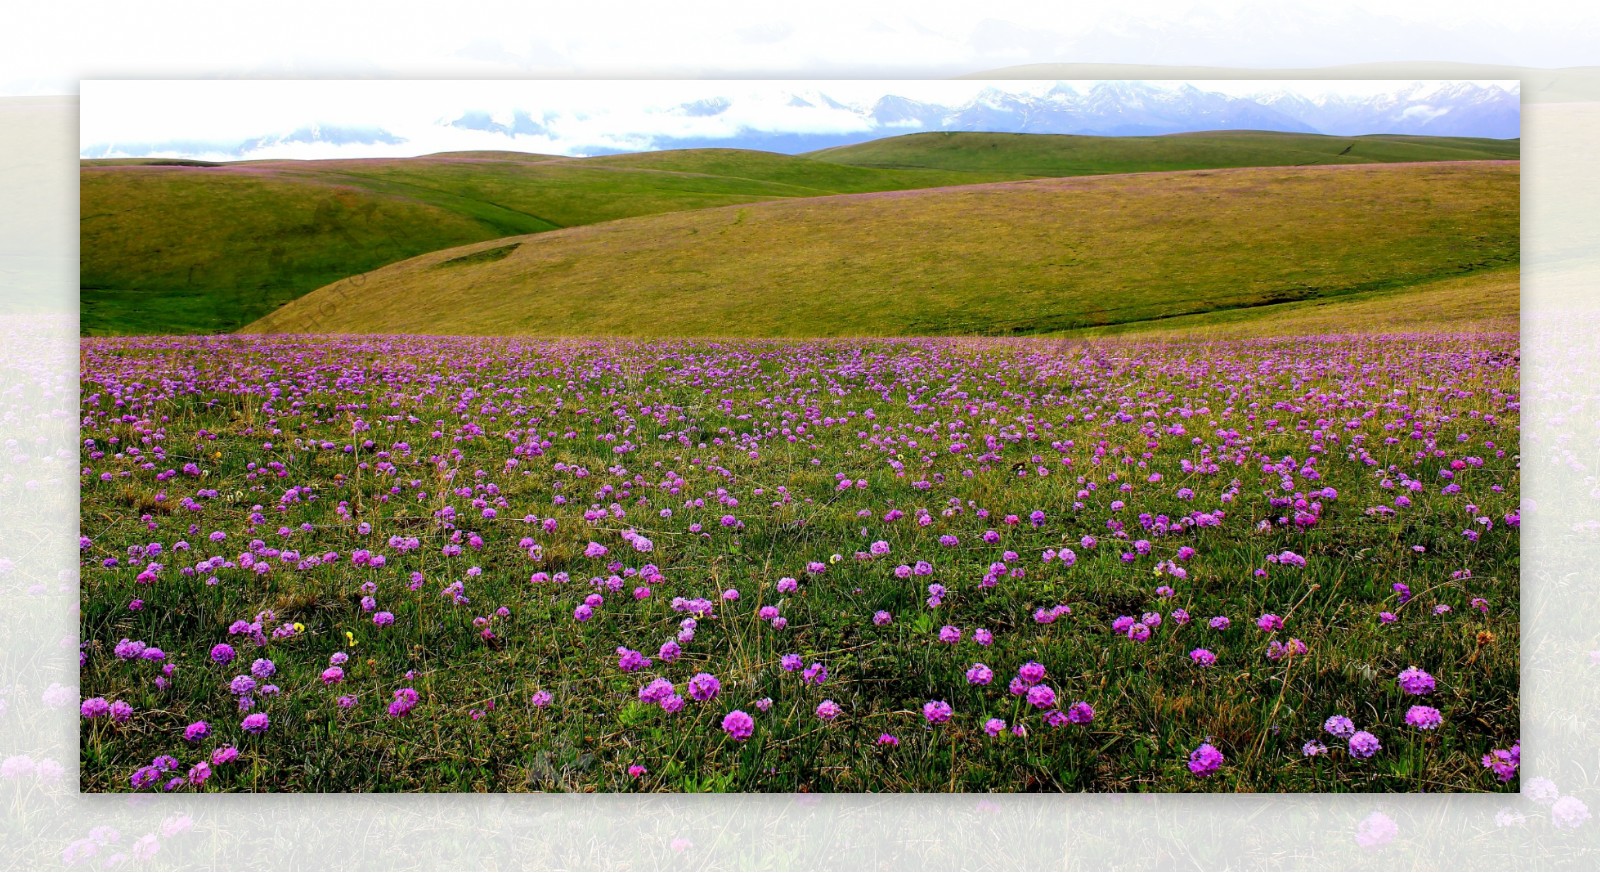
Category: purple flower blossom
[629,660]
[1424,717]
[405,699]
[704,686]
[1415,681]
[1504,762]
[1031,673]
[656,691]
[1339,726]
[936,711]
[1364,745]
[1205,760]
[739,725]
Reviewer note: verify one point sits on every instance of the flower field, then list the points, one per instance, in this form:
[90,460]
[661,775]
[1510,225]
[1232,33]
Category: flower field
[441,564]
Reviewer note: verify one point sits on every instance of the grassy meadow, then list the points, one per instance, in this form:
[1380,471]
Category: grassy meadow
[946,462]
[492,564]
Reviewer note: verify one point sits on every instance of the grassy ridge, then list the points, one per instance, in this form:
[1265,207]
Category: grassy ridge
[1016,258]
[195,247]
[191,247]
[1066,155]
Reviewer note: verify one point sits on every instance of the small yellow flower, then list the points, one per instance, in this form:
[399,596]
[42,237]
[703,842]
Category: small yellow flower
[349,638]
[215,455]
[299,628]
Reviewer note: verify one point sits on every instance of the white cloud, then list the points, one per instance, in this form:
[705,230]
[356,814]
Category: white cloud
[128,117]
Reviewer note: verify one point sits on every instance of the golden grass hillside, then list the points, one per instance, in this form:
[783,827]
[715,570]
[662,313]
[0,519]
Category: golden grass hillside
[1015,258]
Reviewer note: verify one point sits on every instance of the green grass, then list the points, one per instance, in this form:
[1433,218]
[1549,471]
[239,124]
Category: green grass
[175,246]
[190,247]
[1066,155]
[1033,257]
[1484,301]
[387,432]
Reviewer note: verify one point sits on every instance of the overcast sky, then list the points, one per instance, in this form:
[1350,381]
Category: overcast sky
[51,46]
[628,114]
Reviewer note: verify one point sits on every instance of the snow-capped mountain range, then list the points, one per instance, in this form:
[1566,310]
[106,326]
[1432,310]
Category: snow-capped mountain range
[793,121]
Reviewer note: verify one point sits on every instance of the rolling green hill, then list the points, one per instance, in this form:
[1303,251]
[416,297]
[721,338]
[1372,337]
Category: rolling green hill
[1016,258]
[177,246]
[1033,154]
[197,247]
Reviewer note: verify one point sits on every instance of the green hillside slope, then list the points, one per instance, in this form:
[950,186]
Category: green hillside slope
[187,246]
[1007,258]
[175,246]
[1061,155]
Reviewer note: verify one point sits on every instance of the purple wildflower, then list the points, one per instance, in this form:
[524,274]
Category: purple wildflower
[1364,745]
[1415,681]
[704,686]
[1205,760]
[739,725]
[1424,717]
